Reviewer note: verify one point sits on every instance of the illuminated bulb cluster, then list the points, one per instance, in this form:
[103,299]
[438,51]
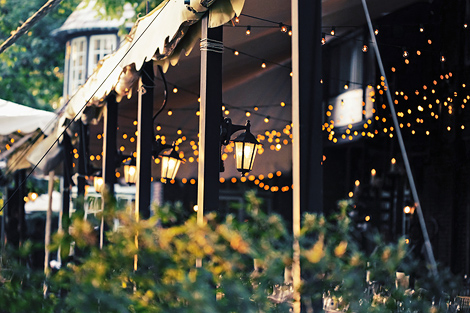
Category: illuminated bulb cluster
[275,139]
[261,181]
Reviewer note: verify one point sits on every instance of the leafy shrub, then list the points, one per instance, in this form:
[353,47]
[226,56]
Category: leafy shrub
[164,265]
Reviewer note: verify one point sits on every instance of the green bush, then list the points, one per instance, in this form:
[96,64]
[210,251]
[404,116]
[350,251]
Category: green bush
[150,266]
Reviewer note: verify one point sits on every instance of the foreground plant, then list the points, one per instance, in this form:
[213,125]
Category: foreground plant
[170,264]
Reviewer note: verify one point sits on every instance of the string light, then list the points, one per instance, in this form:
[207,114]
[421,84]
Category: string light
[175,89]
[365,48]
[263,65]
[170,112]
[283,28]
[266,119]
[236,52]
[421,28]
[237,19]
[333,31]
[323,38]
[248,30]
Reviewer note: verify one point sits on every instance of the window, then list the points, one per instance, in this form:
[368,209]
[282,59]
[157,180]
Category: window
[100,46]
[77,64]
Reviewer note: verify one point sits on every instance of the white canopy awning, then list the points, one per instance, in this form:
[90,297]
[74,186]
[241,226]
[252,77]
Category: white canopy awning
[161,35]
[16,117]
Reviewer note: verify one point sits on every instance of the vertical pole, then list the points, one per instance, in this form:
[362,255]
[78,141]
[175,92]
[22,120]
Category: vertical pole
[64,217]
[144,140]
[210,119]
[4,216]
[109,156]
[82,164]
[21,176]
[307,117]
[47,236]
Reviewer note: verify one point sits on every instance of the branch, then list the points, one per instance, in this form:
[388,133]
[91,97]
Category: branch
[46,8]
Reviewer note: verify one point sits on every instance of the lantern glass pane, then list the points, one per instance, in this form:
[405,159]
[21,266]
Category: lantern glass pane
[170,167]
[244,154]
[130,174]
[98,183]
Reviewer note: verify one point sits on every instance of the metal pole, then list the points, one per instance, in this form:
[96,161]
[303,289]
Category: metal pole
[210,119]
[145,140]
[427,242]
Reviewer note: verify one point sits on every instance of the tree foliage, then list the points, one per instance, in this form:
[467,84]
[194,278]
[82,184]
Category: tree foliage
[114,8]
[32,69]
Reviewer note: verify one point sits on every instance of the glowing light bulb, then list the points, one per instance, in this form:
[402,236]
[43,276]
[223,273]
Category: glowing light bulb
[175,90]
[332,32]
[365,48]
[248,30]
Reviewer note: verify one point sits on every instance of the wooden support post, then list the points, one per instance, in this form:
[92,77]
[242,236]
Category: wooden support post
[110,144]
[82,164]
[4,216]
[210,119]
[66,182]
[145,140]
[307,150]
[109,155]
[21,177]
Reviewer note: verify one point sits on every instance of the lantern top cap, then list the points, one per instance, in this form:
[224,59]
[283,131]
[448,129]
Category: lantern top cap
[131,161]
[247,136]
[171,154]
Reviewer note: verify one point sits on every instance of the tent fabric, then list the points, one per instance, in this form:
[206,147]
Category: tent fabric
[161,35]
[16,117]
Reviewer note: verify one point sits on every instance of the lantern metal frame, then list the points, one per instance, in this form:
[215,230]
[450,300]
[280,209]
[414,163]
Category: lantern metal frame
[131,162]
[227,129]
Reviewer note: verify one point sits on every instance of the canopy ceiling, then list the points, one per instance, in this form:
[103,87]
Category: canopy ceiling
[246,84]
